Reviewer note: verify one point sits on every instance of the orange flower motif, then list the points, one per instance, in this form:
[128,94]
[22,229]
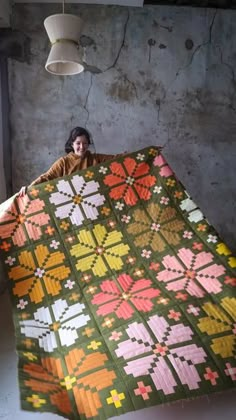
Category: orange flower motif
[32,276]
[89,174]
[130,187]
[178,194]
[201,227]
[48,378]
[23,216]
[34,192]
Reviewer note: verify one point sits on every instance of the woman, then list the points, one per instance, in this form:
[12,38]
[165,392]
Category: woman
[78,157]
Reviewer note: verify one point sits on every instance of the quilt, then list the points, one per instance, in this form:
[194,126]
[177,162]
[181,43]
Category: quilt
[123,294]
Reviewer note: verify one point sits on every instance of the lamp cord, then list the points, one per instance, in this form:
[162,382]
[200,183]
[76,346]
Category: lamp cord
[63,6]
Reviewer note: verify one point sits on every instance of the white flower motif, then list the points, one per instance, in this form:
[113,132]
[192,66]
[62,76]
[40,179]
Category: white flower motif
[157,189]
[212,238]
[69,284]
[156,227]
[54,244]
[193,310]
[125,218]
[10,260]
[164,200]
[140,156]
[39,272]
[103,170]
[68,320]
[119,205]
[146,253]
[187,234]
[188,205]
[70,203]
[22,304]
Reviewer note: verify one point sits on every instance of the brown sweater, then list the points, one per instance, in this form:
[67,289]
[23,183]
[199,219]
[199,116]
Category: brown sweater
[70,163]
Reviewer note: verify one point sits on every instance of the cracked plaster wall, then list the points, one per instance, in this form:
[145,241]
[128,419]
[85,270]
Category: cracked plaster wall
[158,75]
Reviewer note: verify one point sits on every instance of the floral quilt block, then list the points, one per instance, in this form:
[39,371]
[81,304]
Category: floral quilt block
[123,294]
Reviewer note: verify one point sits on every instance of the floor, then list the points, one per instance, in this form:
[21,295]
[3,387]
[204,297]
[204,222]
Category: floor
[215,407]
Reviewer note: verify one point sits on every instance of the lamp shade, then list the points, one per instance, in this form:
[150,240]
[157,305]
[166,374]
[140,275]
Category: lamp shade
[63,31]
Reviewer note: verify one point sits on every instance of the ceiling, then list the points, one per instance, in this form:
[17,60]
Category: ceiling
[225,4]
[135,3]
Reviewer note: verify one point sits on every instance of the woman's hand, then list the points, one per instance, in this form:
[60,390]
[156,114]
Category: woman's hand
[22,191]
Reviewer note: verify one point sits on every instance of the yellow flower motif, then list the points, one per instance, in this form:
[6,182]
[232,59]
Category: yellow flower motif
[222,249]
[36,272]
[170,182]
[92,289]
[89,174]
[49,188]
[116,398]
[64,225]
[95,254]
[152,152]
[138,272]
[25,315]
[232,262]
[94,345]
[28,343]
[163,301]
[68,382]
[106,211]
[74,296]
[30,356]
[217,322]
[108,322]
[36,401]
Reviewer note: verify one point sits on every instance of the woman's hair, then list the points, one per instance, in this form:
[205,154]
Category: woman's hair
[76,132]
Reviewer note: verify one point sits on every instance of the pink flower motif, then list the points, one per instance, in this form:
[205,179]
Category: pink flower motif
[198,246]
[211,376]
[22,304]
[154,266]
[10,260]
[140,342]
[174,315]
[115,336]
[143,390]
[181,296]
[187,234]
[164,200]
[230,371]
[23,214]
[146,254]
[165,170]
[193,310]
[112,299]
[191,272]
[125,218]
[230,280]
[69,284]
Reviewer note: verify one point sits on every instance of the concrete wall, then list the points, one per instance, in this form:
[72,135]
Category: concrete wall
[3,186]
[158,75]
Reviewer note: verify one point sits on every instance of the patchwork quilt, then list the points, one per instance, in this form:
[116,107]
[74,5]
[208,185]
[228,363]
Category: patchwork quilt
[123,295]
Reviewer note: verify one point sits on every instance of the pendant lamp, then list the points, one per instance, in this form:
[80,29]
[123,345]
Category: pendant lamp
[65,57]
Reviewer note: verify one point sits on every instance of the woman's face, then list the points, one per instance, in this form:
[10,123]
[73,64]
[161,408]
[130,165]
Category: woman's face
[80,145]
